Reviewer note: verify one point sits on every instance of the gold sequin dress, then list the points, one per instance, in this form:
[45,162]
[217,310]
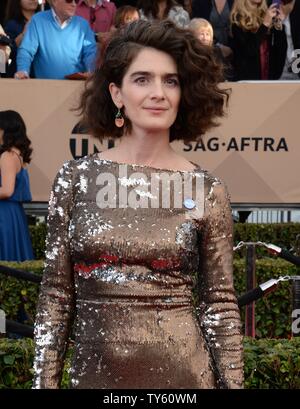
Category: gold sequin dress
[147,289]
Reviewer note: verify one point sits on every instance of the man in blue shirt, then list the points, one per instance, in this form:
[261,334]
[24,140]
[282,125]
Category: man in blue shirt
[57,43]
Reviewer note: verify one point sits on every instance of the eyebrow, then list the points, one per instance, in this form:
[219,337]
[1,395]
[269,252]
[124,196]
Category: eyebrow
[147,73]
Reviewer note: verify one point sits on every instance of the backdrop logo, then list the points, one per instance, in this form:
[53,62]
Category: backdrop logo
[239,144]
[82,144]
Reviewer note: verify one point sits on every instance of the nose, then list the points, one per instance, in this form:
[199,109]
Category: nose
[157,90]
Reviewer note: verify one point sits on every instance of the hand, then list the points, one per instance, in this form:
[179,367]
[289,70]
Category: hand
[21,75]
[282,15]
[226,51]
[271,13]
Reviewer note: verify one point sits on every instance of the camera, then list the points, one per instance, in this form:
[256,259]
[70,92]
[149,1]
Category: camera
[4,40]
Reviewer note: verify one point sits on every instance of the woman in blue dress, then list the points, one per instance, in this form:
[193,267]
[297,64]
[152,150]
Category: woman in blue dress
[15,154]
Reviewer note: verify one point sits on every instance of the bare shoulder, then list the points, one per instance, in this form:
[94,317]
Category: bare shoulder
[8,157]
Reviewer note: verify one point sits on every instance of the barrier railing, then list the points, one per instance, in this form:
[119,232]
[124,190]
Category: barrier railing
[255,292]
[15,327]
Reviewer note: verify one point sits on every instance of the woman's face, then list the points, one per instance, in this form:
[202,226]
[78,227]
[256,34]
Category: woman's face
[29,5]
[255,2]
[150,91]
[130,17]
[204,36]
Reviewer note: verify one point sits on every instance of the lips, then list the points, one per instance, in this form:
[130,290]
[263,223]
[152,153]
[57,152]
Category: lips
[155,109]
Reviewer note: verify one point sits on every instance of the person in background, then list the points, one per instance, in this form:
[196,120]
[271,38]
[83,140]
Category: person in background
[3,4]
[187,5]
[217,12]
[163,9]
[15,154]
[18,15]
[5,51]
[99,13]
[57,43]
[291,19]
[203,30]
[146,288]
[125,15]
[259,46]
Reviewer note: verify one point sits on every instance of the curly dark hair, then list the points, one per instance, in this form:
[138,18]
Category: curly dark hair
[150,7]
[202,100]
[15,134]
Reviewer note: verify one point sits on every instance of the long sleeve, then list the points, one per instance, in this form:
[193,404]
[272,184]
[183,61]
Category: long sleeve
[28,48]
[56,299]
[89,49]
[247,41]
[278,51]
[246,52]
[218,309]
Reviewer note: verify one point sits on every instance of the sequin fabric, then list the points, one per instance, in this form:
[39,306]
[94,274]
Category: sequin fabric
[148,292]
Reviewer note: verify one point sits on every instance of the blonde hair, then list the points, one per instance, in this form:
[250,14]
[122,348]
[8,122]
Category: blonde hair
[248,16]
[198,23]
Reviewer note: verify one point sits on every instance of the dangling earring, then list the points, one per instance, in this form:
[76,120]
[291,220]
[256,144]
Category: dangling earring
[119,120]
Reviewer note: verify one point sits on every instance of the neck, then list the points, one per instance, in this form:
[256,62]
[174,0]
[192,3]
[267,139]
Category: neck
[146,148]
[62,18]
[28,14]
[161,8]
[91,2]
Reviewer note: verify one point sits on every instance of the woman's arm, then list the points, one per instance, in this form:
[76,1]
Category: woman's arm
[9,167]
[219,313]
[56,299]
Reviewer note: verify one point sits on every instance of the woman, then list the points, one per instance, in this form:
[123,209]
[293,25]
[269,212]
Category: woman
[18,15]
[259,45]
[129,265]
[126,15]
[291,14]
[164,9]
[203,30]
[217,12]
[15,153]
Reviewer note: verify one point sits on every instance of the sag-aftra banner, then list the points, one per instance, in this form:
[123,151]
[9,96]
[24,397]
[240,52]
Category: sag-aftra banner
[255,150]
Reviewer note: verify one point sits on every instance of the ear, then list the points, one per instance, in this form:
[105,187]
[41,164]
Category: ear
[116,95]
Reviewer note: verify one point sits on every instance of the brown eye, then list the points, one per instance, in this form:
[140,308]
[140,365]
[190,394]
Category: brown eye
[172,81]
[141,80]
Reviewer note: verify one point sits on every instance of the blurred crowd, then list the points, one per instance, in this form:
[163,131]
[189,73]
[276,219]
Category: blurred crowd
[57,39]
